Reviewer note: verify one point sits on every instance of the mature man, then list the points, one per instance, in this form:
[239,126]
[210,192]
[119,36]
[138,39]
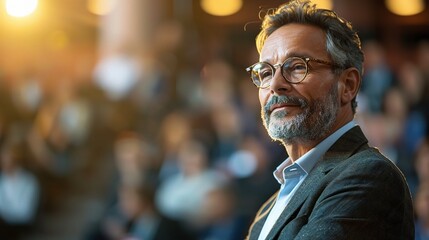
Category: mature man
[333,185]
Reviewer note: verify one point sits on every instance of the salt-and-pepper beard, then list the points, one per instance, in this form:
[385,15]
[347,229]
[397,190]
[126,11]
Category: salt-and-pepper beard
[313,123]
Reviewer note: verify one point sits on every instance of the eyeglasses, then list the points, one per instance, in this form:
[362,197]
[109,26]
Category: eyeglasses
[293,70]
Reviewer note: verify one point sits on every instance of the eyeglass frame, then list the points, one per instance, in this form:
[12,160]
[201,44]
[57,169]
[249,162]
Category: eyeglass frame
[280,65]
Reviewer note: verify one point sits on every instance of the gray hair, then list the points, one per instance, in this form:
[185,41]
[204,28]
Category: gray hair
[342,42]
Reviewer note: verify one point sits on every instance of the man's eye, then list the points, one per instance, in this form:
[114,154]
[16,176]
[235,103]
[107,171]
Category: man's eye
[265,74]
[297,67]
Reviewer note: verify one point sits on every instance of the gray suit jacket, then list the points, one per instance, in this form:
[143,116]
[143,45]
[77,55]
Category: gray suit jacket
[354,192]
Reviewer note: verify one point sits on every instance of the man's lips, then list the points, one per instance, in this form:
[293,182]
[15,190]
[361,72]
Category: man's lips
[282,105]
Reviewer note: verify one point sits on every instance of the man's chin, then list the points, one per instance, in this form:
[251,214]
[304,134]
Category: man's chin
[278,131]
[282,138]
[281,122]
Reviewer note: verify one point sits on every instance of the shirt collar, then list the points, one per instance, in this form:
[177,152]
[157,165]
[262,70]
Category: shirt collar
[306,162]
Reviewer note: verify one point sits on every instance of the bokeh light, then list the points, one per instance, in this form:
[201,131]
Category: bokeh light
[405,7]
[221,7]
[100,7]
[21,8]
[325,4]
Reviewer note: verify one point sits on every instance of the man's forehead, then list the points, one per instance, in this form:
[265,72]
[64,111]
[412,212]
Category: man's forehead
[294,40]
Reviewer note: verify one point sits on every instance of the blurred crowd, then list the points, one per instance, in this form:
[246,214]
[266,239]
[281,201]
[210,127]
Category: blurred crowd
[180,142]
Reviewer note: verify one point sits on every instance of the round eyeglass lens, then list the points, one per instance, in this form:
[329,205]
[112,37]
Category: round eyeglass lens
[262,73]
[294,69]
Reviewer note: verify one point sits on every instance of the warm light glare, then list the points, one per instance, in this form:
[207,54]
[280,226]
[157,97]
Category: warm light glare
[100,7]
[405,7]
[21,8]
[221,7]
[324,4]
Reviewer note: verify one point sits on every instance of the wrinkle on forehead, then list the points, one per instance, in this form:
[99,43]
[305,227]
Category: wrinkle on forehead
[294,40]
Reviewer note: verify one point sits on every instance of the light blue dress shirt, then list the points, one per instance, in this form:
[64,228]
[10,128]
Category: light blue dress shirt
[291,175]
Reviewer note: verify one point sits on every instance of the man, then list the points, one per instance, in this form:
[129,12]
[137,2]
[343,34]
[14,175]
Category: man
[333,185]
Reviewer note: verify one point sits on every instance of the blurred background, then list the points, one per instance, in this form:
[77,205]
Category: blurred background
[134,118]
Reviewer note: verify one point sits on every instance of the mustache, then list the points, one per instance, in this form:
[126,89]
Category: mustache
[284,100]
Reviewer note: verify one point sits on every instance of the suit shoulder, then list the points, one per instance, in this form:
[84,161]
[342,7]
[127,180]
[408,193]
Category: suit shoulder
[372,162]
[371,157]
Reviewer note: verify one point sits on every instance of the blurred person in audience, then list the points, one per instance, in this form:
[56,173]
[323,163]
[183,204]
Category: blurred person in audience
[226,122]
[378,77]
[181,196]
[411,82]
[74,115]
[249,109]
[220,219]
[19,193]
[421,162]
[27,95]
[333,184]
[135,161]
[174,130]
[137,203]
[217,84]
[421,203]
[393,121]
[135,157]
[49,140]
[137,217]
[153,86]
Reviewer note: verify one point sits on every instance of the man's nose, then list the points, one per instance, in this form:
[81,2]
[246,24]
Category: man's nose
[278,84]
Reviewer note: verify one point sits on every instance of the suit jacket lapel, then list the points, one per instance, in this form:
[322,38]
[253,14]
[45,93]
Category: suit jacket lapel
[342,149]
[297,200]
[261,217]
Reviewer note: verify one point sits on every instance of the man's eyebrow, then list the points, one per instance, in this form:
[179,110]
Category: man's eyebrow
[297,54]
[288,55]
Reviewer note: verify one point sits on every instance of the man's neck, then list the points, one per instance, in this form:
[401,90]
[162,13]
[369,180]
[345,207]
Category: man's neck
[298,147]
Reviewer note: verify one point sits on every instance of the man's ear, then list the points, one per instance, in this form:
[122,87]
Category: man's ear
[348,85]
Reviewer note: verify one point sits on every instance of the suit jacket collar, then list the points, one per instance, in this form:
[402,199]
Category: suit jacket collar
[343,148]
